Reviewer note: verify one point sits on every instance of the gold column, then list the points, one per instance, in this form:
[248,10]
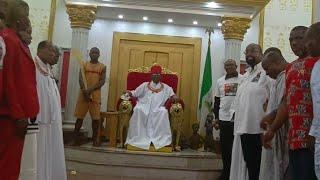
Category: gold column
[235,27]
[81,16]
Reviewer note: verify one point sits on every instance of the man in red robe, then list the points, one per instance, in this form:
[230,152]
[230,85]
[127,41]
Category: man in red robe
[19,100]
[3,9]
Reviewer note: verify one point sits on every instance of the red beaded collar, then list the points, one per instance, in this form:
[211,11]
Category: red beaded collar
[155,90]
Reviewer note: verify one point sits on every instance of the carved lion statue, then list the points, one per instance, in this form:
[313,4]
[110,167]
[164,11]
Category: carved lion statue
[176,113]
[125,109]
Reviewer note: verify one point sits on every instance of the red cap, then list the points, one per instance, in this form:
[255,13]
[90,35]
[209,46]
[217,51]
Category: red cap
[156,69]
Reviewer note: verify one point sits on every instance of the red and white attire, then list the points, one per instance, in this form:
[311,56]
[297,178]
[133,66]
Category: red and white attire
[150,119]
[18,100]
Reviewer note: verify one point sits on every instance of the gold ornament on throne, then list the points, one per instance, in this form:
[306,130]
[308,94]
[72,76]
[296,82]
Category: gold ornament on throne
[146,69]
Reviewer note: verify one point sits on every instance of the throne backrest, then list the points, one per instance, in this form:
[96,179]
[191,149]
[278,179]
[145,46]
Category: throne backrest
[140,75]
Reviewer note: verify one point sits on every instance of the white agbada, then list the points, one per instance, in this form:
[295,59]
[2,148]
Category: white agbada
[275,161]
[248,109]
[150,119]
[51,160]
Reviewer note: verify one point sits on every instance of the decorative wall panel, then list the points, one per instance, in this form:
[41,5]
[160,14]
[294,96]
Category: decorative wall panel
[280,17]
[40,17]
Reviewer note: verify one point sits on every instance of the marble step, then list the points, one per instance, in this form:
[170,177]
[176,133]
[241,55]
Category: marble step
[117,157]
[104,163]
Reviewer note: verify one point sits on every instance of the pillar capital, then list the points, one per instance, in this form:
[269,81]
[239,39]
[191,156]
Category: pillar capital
[235,27]
[81,16]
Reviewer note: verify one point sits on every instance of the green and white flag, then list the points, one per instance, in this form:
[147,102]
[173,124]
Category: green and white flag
[206,97]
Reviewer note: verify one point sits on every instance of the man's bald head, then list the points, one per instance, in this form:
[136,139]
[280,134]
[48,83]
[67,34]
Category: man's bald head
[312,40]
[230,61]
[273,62]
[272,49]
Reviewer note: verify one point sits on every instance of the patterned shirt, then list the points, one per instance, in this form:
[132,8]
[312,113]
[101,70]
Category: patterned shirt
[299,101]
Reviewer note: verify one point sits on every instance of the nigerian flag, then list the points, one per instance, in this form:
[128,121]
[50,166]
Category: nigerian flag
[206,97]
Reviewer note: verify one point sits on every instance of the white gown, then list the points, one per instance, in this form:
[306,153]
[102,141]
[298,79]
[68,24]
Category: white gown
[150,119]
[51,159]
[248,109]
[275,161]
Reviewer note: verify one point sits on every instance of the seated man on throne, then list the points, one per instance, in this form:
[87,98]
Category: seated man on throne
[150,120]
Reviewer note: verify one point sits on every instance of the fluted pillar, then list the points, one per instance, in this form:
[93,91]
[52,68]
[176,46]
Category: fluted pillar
[234,29]
[81,18]
[316,11]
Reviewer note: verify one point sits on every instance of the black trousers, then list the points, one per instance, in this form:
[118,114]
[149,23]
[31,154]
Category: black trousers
[301,164]
[251,148]
[226,141]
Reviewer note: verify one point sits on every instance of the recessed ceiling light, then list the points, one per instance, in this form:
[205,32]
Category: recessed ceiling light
[145,18]
[219,24]
[170,20]
[120,16]
[195,22]
[212,5]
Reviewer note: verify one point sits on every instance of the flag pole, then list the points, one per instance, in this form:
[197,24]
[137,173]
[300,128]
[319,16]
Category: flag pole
[209,30]
[205,104]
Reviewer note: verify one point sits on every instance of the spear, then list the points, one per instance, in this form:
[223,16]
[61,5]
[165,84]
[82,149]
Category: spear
[79,57]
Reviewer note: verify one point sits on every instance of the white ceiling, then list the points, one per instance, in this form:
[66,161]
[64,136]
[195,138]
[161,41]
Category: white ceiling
[183,12]
[159,17]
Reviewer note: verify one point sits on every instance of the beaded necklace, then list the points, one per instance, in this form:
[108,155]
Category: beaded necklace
[154,90]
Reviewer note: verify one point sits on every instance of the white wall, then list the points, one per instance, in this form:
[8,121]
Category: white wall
[280,17]
[39,17]
[101,35]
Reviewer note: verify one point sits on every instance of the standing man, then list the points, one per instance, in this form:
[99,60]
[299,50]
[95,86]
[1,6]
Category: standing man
[275,162]
[296,108]
[226,90]
[90,97]
[3,11]
[51,160]
[313,47]
[248,106]
[19,99]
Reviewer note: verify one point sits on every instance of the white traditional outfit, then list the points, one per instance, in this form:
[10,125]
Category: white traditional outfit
[275,161]
[51,160]
[248,108]
[28,169]
[315,128]
[150,120]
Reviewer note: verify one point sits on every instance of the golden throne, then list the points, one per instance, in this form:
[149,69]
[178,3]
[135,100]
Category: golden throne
[125,106]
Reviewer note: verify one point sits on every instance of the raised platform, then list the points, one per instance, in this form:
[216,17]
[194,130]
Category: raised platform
[87,162]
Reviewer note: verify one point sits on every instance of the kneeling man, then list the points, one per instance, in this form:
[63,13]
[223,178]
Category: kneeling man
[150,120]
